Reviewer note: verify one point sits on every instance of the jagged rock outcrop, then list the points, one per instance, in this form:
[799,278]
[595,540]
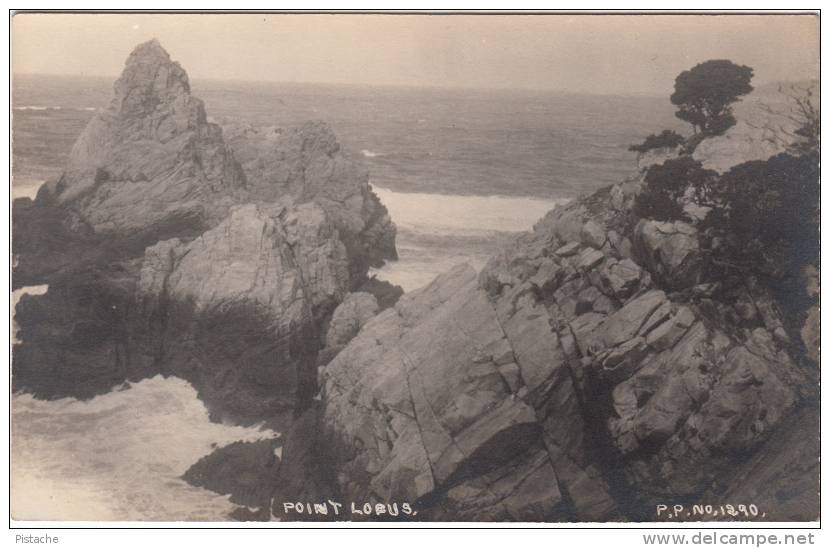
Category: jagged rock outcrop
[572,380]
[151,167]
[150,160]
[148,167]
[281,266]
[423,396]
[164,256]
[306,475]
[236,311]
[307,164]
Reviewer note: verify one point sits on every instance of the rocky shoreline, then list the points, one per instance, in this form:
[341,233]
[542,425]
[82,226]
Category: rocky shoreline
[588,373]
[163,255]
[565,383]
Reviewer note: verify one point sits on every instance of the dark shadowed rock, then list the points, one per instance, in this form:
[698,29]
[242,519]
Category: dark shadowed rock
[73,339]
[386,294]
[304,474]
[244,470]
[236,312]
[783,473]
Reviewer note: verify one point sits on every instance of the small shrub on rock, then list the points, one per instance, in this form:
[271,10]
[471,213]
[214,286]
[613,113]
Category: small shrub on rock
[666,139]
[666,185]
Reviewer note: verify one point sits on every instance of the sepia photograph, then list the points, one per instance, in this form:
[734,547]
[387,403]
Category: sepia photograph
[415,268]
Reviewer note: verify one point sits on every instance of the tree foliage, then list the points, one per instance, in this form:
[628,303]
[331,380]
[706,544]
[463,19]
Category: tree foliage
[666,139]
[666,185]
[808,116]
[761,219]
[765,214]
[704,94]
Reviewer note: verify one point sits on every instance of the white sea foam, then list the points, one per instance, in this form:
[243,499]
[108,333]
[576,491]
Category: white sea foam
[119,456]
[413,274]
[458,229]
[441,212]
[16,294]
[25,189]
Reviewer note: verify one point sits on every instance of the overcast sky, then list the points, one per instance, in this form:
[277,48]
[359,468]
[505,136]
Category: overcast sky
[587,53]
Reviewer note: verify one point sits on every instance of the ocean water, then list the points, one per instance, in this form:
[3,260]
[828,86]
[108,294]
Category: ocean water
[116,457]
[119,456]
[460,172]
[437,232]
[432,153]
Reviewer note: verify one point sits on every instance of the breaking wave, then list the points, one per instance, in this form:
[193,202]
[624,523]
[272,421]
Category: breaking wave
[437,231]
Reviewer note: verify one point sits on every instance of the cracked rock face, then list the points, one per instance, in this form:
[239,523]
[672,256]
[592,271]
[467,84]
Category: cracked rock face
[286,261]
[150,157]
[404,432]
[307,164]
[563,383]
[442,398]
[670,251]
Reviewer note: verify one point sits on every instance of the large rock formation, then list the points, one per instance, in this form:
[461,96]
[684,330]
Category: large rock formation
[585,375]
[150,156]
[148,167]
[164,255]
[307,164]
[581,376]
[432,401]
[151,167]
